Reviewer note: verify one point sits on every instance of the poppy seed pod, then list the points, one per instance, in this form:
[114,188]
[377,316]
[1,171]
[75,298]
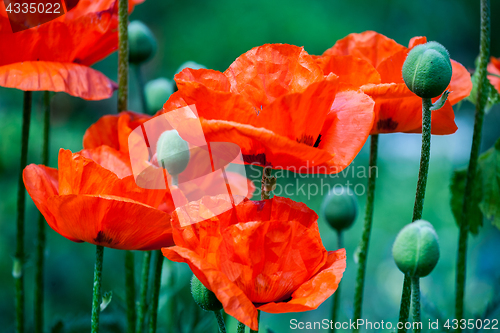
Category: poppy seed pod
[203,296]
[172,152]
[427,70]
[339,208]
[157,92]
[416,249]
[142,43]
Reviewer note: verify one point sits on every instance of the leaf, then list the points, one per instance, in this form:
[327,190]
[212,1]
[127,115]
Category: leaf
[440,102]
[493,95]
[489,163]
[457,188]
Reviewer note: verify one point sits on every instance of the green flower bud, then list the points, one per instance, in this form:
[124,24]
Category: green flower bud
[204,297]
[427,70]
[172,152]
[157,93]
[339,208]
[189,64]
[416,249]
[142,43]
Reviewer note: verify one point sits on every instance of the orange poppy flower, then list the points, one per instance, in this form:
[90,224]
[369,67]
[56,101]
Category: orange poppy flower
[276,104]
[494,68]
[260,255]
[55,56]
[374,63]
[93,198]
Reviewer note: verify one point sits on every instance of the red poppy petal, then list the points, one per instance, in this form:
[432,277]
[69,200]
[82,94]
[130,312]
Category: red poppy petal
[494,68]
[442,121]
[369,45]
[315,291]
[349,69]
[234,301]
[76,80]
[41,183]
[461,83]
[111,221]
[417,41]
[347,127]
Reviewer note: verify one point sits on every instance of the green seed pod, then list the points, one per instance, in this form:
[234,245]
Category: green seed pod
[189,64]
[203,296]
[427,70]
[142,43]
[172,152]
[157,93]
[416,249]
[339,208]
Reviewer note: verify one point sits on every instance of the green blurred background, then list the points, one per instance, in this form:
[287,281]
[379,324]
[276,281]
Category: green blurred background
[214,33]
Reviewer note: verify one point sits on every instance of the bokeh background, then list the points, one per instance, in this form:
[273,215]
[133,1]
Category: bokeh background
[214,33]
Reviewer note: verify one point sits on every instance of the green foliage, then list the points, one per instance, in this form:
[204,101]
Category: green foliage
[489,163]
[457,188]
[493,95]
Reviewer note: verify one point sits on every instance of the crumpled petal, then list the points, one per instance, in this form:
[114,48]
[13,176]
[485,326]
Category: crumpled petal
[76,80]
[352,71]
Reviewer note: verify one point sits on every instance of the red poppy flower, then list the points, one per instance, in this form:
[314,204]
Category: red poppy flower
[494,68]
[55,56]
[276,104]
[93,198]
[260,255]
[374,62]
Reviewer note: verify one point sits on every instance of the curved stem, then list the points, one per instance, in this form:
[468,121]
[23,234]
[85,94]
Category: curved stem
[122,55]
[40,248]
[336,298]
[482,93]
[130,291]
[241,328]
[96,300]
[404,308]
[144,291]
[156,291]
[140,85]
[258,322]
[18,271]
[415,286]
[220,322]
[365,238]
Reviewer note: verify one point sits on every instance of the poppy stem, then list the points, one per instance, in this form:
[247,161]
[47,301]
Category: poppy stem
[122,55]
[17,271]
[140,84]
[482,93]
[96,300]
[258,322]
[220,322]
[267,183]
[404,308]
[130,290]
[40,248]
[365,238]
[146,263]
[156,291]
[241,328]
[336,299]
[415,286]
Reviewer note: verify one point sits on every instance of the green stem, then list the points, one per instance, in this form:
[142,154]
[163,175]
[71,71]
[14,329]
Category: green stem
[140,86]
[241,328]
[122,55]
[130,290]
[482,93]
[365,238]
[415,285]
[336,298]
[144,291]
[220,322]
[40,248]
[266,174]
[156,291]
[425,156]
[258,322]
[96,300]
[21,195]
[404,309]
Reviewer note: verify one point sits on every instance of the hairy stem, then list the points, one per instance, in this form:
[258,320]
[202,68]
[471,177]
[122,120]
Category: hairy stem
[404,308]
[241,328]
[122,55]
[336,298]
[96,300]
[482,93]
[220,322]
[130,290]
[365,238]
[415,286]
[156,291]
[141,312]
